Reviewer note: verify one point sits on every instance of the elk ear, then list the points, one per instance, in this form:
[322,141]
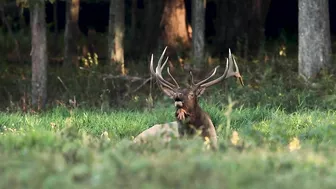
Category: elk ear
[170,93]
[199,91]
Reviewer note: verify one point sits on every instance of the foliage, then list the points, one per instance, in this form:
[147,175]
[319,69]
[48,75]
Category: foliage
[76,148]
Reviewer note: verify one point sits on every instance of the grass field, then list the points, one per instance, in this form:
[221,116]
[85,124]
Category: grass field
[281,133]
[69,149]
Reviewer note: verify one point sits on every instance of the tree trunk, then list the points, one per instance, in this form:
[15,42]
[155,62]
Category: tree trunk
[71,33]
[256,25]
[9,28]
[39,55]
[110,35]
[134,18]
[119,30]
[241,23]
[55,16]
[174,26]
[314,37]
[151,26]
[231,23]
[198,26]
[116,33]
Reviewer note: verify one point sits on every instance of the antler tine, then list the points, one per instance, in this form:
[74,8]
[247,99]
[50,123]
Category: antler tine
[231,72]
[191,77]
[157,77]
[234,73]
[234,61]
[206,79]
[177,85]
[158,71]
[159,68]
[220,78]
[151,67]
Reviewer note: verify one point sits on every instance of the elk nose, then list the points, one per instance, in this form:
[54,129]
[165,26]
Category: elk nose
[178,104]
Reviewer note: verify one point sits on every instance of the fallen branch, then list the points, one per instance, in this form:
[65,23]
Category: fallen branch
[140,86]
[125,77]
[110,76]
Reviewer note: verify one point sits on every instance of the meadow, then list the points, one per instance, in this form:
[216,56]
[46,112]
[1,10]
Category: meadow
[280,132]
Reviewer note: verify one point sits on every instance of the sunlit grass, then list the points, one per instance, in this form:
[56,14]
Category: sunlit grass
[74,148]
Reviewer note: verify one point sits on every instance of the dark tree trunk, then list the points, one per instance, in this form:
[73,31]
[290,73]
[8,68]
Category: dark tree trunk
[39,54]
[314,37]
[71,33]
[230,23]
[110,36]
[152,13]
[9,28]
[240,25]
[256,25]
[134,18]
[174,26]
[198,26]
[55,16]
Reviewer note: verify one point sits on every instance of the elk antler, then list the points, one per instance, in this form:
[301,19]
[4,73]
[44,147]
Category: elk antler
[229,72]
[158,72]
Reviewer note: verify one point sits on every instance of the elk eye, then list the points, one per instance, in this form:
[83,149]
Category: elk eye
[191,95]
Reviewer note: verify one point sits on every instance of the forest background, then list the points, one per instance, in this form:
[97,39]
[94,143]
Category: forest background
[75,89]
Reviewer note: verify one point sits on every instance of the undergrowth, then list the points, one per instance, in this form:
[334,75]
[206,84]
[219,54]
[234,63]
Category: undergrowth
[280,133]
[93,149]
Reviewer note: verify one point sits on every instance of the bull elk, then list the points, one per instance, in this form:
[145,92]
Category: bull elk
[190,117]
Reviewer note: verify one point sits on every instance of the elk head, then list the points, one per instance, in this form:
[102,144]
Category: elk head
[186,98]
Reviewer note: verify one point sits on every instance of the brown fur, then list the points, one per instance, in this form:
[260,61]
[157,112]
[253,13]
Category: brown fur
[195,119]
[164,131]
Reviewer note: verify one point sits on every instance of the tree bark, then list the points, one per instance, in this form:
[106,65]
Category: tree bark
[198,26]
[230,23]
[71,33]
[55,9]
[10,31]
[116,34]
[39,54]
[151,26]
[110,35]
[134,18]
[256,25]
[119,30]
[314,37]
[174,26]
[241,23]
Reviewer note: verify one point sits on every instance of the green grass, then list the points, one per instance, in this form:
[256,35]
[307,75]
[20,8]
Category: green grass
[65,148]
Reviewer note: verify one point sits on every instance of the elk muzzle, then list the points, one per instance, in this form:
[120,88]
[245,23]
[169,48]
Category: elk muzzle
[178,104]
